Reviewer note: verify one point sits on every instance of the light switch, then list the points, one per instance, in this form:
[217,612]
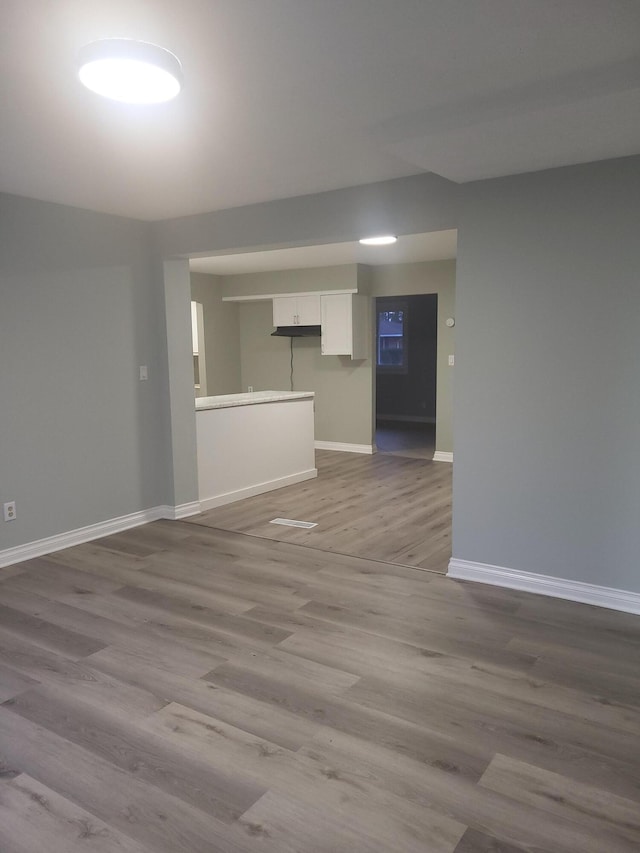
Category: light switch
[451,360]
[144,374]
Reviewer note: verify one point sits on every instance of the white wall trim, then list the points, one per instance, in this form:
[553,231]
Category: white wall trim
[347,448]
[258,489]
[175,513]
[42,547]
[443,456]
[586,593]
[258,297]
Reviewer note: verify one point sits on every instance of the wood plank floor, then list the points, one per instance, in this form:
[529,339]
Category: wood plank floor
[180,689]
[381,507]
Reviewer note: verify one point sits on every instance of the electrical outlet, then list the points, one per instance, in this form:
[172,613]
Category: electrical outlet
[250,389]
[9,511]
[144,372]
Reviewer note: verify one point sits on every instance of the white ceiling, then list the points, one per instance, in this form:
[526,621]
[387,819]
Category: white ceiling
[410,248]
[288,97]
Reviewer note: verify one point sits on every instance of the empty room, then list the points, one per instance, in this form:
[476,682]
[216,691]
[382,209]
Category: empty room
[318,426]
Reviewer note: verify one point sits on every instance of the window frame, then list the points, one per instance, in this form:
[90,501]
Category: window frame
[383,305]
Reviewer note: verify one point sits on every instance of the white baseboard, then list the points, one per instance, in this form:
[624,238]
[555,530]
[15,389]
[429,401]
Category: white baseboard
[347,448]
[586,593]
[259,489]
[42,547]
[175,513]
[407,419]
[443,456]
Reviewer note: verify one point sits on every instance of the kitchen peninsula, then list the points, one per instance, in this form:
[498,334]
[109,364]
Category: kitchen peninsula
[252,443]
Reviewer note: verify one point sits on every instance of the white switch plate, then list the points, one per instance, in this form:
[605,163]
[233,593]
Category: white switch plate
[451,360]
[9,510]
[144,373]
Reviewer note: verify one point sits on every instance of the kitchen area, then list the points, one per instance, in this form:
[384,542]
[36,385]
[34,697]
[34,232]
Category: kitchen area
[250,438]
[288,396]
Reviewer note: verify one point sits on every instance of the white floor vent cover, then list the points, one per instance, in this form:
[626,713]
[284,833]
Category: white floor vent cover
[289,522]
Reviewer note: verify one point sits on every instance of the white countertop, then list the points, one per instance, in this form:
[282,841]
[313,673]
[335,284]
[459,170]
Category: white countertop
[225,401]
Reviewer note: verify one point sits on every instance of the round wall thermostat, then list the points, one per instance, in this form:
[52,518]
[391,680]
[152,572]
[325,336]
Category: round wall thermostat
[450,322]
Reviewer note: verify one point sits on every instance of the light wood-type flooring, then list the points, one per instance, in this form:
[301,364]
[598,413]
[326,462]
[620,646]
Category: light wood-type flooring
[382,507]
[179,689]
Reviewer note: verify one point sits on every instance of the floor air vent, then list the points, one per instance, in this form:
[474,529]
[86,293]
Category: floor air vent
[289,522]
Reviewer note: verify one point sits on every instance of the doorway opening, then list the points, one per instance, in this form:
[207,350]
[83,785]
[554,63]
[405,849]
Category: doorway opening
[406,348]
[393,506]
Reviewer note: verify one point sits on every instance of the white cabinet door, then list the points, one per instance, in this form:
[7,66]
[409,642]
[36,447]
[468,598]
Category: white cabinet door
[344,325]
[296,310]
[337,338]
[308,310]
[284,311]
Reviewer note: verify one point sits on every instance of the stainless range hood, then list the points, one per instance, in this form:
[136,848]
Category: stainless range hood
[296,332]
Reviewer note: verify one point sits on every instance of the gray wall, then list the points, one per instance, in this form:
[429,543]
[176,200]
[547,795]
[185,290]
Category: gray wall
[547,473]
[411,205]
[221,333]
[82,439]
[341,277]
[180,404]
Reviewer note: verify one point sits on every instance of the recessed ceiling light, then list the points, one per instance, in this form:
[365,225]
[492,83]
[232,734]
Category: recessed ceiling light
[385,240]
[134,72]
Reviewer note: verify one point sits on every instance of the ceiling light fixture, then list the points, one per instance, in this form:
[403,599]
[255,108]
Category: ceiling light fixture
[134,72]
[385,240]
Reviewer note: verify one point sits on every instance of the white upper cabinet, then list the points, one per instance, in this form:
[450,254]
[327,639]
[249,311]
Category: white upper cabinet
[296,310]
[344,325]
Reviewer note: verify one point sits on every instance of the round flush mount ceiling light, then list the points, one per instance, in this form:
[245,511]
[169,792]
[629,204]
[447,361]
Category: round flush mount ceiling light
[134,72]
[385,240]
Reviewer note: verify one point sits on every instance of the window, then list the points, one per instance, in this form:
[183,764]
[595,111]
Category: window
[391,336]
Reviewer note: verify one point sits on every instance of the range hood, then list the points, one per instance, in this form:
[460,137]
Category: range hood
[297,332]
